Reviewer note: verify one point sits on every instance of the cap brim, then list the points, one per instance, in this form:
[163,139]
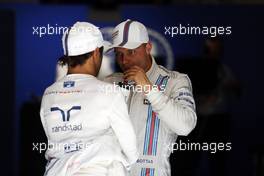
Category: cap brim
[107,46]
[128,45]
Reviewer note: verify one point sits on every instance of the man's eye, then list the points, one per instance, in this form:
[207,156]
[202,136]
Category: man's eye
[131,52]
[118,54]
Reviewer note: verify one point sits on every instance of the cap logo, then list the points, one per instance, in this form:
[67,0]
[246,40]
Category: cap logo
[115,34]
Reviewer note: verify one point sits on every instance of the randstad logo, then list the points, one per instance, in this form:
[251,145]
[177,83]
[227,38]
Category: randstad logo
[65,118]
[66,127]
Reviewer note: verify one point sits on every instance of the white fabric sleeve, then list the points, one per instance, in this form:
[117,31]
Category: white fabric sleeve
[176,110]
[42,116]
[123,128]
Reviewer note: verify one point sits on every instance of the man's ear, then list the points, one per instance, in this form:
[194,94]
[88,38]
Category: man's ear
[96,53]
[148,47]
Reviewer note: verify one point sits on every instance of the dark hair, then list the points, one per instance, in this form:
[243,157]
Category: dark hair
[73,61]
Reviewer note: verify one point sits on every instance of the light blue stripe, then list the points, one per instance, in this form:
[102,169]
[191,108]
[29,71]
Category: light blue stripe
[148,130]
[166,81]
[142,172]
[156,136]
[152,172]
[158,81]
[146,134]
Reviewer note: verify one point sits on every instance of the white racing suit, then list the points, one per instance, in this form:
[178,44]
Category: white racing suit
[159,117]
[88,128]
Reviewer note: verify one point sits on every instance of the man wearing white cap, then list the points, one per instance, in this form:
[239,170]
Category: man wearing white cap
[165,107]
[87,126]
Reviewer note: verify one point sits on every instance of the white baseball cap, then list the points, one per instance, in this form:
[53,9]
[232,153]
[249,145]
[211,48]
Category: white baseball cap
[81,38]
[129,34]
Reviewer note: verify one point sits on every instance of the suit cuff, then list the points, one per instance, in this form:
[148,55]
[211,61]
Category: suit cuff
[155,97]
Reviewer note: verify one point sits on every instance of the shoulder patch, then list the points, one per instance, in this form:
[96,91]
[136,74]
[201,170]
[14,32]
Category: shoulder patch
[68,84]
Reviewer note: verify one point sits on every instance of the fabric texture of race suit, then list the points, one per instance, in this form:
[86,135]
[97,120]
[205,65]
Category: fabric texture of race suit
[159,117]
[88,128]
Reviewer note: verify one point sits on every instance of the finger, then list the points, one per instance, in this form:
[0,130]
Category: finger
[130,78]
[131,70]
[136,68]
[129,75]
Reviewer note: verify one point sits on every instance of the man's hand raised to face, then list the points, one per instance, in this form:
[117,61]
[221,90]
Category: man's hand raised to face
[138,75]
